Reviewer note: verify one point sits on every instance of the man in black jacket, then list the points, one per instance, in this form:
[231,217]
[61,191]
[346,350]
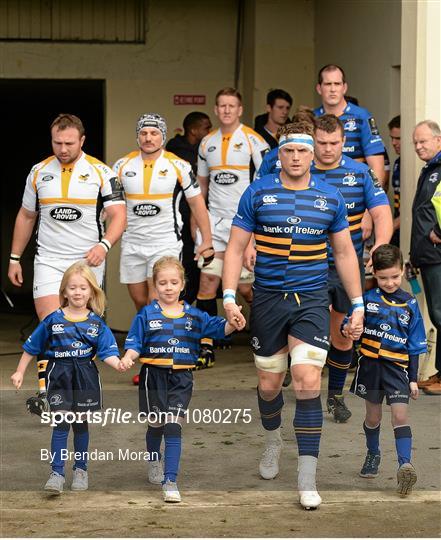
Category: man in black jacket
[196,126]
[425,240]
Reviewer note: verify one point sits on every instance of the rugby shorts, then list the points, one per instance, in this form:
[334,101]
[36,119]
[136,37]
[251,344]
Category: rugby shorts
[338,298]
[48,273]
[375,379]
[276,315]
[164,390]
[73,385]
[136,262]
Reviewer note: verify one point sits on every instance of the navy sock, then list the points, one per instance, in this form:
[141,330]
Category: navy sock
[338,363]
[172,451]
[403,443]
[153,439]
[372,438]
[207,304]
[308,421]
[81,443]
[60,434]
[270,411]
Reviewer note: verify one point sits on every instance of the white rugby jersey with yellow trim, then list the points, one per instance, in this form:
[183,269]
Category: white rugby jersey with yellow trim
[153,190]
[70,198]
[226,160]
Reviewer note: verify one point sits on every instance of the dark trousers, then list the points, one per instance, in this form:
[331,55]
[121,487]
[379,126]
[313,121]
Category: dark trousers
[431,274]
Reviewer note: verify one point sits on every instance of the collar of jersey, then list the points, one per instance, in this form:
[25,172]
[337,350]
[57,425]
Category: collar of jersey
[389,303]
[169,316]
[310,184]
[340,163]
[75,320]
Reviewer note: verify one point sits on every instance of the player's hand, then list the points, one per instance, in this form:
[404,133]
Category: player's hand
[96,255]
[17,379]
[234,315]
[434,238]
[345,330]
[249,257]
[205,251]
[414,392]
[366,226]
[356,324]
[15,274]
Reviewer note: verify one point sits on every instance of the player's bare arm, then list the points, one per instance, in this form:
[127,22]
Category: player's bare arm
[200,213]
[376,163]
[24,225]
[117,215]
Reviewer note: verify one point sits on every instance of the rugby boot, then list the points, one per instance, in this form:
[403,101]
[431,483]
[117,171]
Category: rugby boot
[370,466]
[337,407]
[406,478]
[206,357]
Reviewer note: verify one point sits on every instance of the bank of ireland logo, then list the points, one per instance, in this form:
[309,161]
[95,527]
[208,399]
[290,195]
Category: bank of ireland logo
[173,341]
[293,220]
[385,327]
[77,344]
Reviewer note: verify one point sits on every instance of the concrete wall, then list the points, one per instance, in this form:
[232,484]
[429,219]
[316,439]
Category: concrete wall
[363,37]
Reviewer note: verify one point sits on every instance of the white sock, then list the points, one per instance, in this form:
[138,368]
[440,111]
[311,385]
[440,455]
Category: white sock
[273,436]
[307,467]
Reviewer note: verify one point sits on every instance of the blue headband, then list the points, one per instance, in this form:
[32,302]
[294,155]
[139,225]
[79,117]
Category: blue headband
[297,138]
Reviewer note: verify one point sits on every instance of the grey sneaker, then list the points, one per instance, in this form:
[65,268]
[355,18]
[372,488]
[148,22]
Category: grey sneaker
[269,463]
[80,481]
[370,466]
[170,492]
[338,408]
[155,472]
[406,478]
[55,483]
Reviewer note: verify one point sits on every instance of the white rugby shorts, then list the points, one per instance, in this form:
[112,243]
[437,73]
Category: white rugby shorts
[48,273]
[136,263]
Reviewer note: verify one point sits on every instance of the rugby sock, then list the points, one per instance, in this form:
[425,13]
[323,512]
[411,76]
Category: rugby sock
[207,304]
[270,411]
[372,438]
[308,420]
[81,443]
[172,451]
[338,363]
[58,443]
[403,443]
[41,367]
[153,439]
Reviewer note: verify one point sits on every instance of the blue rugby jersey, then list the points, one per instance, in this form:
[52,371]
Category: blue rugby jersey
[360,189]
[291,231]
[165,341]
[270,163]
[58,337]
[396,187]
[393,327]
[361,131]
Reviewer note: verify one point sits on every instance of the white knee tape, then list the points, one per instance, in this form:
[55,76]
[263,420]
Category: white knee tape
[277,363]
[308,354]
[246,276]
[214,268]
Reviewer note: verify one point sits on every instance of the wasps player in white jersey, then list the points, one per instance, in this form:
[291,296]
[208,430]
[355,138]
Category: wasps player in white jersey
[228,157]
[154,181]
[66,192]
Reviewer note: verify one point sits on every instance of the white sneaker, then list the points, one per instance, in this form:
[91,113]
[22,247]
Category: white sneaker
[310,500]
[155,472]
[55,483]
[80,481]
[171,492]
[269,463]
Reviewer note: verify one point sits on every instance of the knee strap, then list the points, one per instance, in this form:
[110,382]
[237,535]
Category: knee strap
[308,354]
[277,363]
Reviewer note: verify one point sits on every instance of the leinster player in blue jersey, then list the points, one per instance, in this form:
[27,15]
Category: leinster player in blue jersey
[361,191]
[165,335]
[71,337]
[363,140]
[292,217]
[392,340]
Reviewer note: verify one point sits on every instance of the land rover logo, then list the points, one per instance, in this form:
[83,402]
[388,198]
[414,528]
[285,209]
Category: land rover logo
[65,213]
[47,178]
[130,174]
[294,220]
[145,210]
[226,178]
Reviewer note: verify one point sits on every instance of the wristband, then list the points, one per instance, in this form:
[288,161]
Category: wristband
[14,258]
[357,303]
[106,244]
[229,296]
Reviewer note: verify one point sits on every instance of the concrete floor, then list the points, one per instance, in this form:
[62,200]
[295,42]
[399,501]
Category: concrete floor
[222,492]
